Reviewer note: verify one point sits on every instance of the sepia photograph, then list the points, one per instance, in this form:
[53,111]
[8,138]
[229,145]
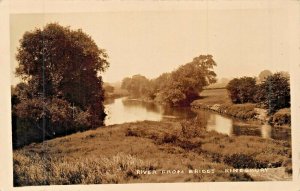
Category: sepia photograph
[131,96]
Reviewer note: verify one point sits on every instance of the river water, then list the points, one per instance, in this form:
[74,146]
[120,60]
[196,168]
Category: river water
[124,110]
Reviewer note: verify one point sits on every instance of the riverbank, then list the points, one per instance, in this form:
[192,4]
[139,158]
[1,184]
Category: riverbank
[118,153]
[217,100]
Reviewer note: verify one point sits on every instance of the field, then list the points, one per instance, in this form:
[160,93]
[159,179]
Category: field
[167,151]
[214,96]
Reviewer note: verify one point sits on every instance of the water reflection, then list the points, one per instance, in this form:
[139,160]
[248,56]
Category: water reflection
[124,110]
[121,112]
[149,106]
[242,128]
[178,112]
[266,131]
[220,124]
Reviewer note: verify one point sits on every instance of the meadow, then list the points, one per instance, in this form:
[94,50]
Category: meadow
[113,154]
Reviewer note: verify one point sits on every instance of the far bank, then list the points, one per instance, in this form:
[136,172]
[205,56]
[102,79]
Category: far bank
[217,100]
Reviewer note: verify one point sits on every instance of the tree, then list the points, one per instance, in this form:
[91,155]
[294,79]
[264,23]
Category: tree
[62,66]
[263,75]
[233,90]
[137,85]
[242,90]
[185,83]
[108,88]
[274,92]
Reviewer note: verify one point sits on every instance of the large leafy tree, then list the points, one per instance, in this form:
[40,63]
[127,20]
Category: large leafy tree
[274,92]
[61,69]
[242,90]
[185,83]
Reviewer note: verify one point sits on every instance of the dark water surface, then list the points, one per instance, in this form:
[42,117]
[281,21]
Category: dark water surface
[124,110]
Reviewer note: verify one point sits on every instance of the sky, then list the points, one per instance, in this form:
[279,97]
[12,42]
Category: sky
[242,42]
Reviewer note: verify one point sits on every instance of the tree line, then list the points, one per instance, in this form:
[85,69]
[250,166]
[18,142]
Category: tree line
[271,91]
[177,88]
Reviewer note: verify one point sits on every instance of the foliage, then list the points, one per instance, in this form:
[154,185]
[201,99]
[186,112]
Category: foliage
[108,88]
[177,88]
[282,117]
[137,85]
[274,92]
[241,111]
[242,90]
[243,161]
[188,80]
[59,62]
[60,69]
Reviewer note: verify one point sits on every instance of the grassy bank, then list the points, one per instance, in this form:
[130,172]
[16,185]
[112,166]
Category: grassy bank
[218,100]
[113,154]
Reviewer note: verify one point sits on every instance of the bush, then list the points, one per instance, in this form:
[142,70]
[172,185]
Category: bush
[243,111]
[282,117]
[243,161]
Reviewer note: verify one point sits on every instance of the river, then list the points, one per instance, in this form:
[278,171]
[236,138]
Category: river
[124,110]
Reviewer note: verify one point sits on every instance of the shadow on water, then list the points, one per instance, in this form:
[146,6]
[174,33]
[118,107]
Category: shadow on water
[124,110]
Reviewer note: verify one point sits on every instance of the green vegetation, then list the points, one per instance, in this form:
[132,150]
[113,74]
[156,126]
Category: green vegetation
[61,91]
[178,88]
[113,154]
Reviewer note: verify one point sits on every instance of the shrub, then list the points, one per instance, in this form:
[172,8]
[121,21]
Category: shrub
[131,132]
[192,128]
[240,177]
[282,117]
[243,161]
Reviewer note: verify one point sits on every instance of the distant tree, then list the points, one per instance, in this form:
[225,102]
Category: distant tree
[274,92]
[285,74]
[264,74]
[242,90]
[125,83]
[108,88]
[177,88]
[184,84]
[61,69]
[137,85]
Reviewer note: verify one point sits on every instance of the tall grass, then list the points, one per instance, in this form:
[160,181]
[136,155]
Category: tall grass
[33,169]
